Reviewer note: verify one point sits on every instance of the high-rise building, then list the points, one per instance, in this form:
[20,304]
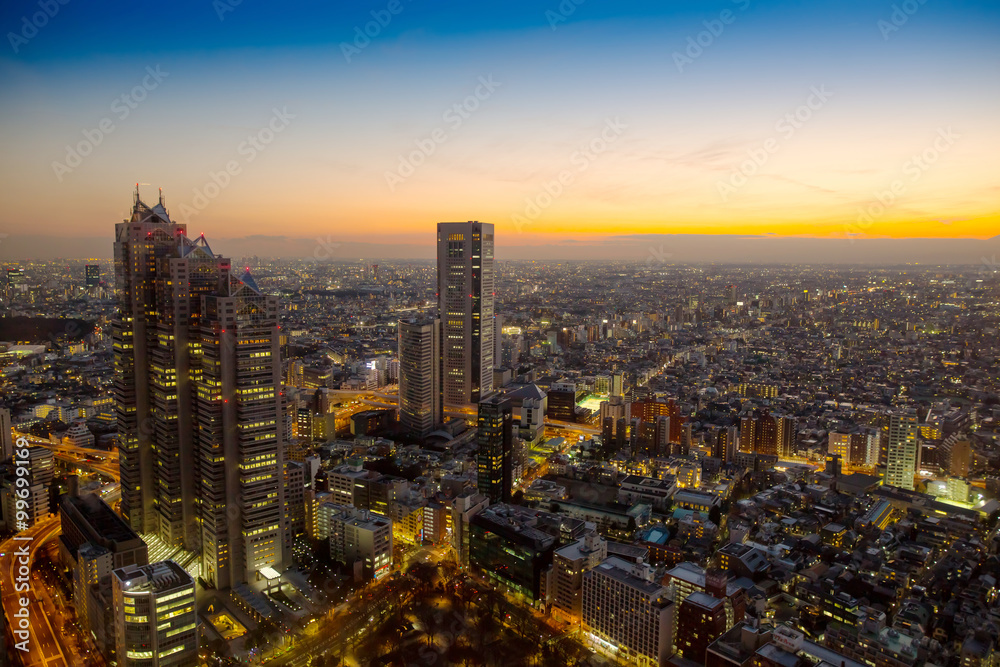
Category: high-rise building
[839,444]
[569,563]
[507,545]
[197,388]
[6,436]
[617,384]
[959,456]
[156,622]
[17,280]
[627,613]
[726,442]
[359,536]
[764,433]
[465,308]
[92,276]
[421,410]
[494,459]
[901,456]
[562,401]
[701,619]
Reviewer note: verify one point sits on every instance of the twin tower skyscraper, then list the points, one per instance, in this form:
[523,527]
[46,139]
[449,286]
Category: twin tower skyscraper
[201,412]
[198,386]
[449,359]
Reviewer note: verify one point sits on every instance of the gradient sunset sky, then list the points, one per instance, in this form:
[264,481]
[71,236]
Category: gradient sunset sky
[646,130]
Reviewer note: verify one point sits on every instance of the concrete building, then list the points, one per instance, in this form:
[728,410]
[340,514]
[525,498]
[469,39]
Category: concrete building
[701,619]
[156,622]
[463,508]
[362,538]
[421,408]
[569,564]
[902,451]
[626,614]
[78,435]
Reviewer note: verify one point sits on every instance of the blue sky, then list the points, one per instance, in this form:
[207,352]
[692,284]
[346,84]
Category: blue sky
[896,80]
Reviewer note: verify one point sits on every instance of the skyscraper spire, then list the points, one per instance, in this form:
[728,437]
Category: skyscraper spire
[161,196]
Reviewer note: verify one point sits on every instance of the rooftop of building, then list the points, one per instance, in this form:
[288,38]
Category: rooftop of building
[154,578]
[702,600]
[101,518]
[625,572]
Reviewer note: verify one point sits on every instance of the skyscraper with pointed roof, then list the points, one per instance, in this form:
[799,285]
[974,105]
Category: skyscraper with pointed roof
[198,393]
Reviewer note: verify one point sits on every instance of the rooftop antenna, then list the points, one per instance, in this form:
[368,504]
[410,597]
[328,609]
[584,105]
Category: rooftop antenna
[161,196]
[136,193]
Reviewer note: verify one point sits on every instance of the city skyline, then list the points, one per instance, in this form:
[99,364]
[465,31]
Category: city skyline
[734,119]
[571,333]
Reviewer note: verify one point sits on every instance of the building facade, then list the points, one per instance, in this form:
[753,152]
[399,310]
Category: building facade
[902,450]
[421,409]
[156,621]
[465,308]
[199,400]
[494,458]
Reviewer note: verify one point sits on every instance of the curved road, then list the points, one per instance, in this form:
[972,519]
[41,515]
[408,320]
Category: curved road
[44,649]
[19,551]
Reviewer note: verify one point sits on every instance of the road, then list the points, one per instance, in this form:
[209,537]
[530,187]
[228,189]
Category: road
[366,611]
[108,465]
[43,647]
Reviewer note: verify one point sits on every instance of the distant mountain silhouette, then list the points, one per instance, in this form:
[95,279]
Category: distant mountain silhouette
[646,248]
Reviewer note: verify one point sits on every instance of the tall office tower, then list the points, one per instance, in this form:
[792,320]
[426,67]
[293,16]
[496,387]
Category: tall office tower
[156,622]
[465,308]
[901,463]
[93,275]
[420,406]
[240,435]
[494,460]
[6,436]
[200,415]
